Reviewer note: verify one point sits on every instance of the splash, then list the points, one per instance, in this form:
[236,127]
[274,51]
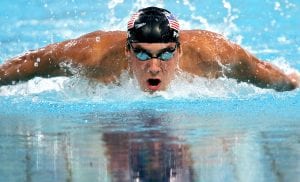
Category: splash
[229,25]
[184,86]
[35,86]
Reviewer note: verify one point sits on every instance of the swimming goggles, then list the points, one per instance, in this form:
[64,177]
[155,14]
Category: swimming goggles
[164,55]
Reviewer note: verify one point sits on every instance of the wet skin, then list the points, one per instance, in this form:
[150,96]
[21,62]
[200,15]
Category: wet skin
[103,56]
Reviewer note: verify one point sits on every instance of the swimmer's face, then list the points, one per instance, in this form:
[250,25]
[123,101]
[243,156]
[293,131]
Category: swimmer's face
[153,64]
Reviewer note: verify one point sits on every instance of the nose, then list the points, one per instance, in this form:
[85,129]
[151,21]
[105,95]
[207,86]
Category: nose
[154,66]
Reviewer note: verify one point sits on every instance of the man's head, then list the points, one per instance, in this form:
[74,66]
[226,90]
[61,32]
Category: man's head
[153,47]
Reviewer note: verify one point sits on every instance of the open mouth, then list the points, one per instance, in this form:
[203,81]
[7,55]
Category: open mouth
[153,84]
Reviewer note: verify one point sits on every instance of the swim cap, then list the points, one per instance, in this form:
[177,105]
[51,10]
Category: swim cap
[152,25]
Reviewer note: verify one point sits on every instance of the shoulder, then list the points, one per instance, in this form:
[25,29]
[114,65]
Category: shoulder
[198,32]
[209,44]
[100,42]
[90,49]
[209,49]
[93,40]
[204,36]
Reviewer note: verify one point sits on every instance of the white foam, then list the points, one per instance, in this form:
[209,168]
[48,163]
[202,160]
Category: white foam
[199,87]
[277,6]
[283,40]
[183,86]
[226,28]
[113,3]
[34,86]
[284,65]
[187,3]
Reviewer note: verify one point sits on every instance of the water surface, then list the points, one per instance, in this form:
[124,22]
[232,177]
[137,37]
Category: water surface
[72,129]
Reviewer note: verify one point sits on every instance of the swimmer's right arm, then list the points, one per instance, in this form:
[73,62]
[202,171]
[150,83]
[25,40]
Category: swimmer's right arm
[45,62]
[87,51]
[33,63]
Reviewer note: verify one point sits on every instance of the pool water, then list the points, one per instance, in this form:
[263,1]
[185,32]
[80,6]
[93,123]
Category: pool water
[73,129]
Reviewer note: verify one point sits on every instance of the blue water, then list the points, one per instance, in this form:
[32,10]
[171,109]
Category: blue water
[72,129]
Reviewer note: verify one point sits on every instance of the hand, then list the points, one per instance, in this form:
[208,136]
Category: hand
[295,78]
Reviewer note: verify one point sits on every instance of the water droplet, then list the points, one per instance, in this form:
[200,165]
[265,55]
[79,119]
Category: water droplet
[97,39]
[37,61]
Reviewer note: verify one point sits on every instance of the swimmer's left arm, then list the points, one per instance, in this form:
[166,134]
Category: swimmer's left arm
[262,74]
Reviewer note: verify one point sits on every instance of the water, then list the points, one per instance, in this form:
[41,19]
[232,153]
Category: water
[72,129]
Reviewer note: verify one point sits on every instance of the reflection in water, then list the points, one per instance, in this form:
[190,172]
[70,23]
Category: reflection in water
[147,146]
[105,148]
[150,155]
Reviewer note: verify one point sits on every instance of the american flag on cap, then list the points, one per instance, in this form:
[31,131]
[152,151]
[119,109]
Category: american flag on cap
[173,23]
[134,17]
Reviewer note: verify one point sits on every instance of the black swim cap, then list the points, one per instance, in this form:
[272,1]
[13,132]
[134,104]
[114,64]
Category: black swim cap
[152,25]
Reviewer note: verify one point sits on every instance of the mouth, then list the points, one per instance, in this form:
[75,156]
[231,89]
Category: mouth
[153,84]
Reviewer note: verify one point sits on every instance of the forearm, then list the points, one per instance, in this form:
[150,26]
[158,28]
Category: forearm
[266,75]
[263,74]
[34,63]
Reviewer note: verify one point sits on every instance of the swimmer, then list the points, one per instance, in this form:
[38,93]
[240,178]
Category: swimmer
[152,50]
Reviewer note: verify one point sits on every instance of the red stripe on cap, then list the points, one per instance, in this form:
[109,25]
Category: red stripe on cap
[132,20]
[173,23]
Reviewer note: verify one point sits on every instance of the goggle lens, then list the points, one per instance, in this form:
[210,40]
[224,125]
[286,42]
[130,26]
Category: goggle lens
[142,55]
